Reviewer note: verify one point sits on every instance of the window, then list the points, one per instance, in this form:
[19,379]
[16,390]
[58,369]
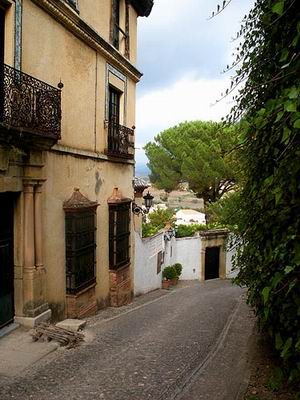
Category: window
[80,231]
[119,235]
[114,105]
[116,143]
[116,23]
[118,33]
[160,260]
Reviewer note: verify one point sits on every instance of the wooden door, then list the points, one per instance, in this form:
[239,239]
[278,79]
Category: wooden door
[6,259]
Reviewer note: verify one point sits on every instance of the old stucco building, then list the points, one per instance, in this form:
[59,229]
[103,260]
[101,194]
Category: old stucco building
[67,115]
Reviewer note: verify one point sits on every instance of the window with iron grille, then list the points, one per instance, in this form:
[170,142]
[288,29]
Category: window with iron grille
[80,231]
[114,105]
[119,235]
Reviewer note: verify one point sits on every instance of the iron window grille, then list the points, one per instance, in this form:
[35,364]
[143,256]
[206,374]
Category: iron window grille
[119,235]
[80,231]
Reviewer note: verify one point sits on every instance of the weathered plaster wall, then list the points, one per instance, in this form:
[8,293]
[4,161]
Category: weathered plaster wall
[96,180]
[53,54]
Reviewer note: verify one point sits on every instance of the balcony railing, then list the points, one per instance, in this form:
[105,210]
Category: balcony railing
[28,106]
[120,141]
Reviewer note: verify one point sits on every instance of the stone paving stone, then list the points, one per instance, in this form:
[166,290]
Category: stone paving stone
[18,352]
[145,352]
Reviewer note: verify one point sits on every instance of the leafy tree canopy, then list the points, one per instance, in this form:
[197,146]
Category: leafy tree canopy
[197,152]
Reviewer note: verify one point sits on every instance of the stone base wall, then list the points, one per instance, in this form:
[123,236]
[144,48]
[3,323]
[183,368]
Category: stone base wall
[82,304]
[120,287]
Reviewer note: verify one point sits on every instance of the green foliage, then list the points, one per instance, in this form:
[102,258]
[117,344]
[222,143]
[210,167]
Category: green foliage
[169,273]
[161,217]
[269,221]
[276,380]
[157,221]
[189,230]
[149,230]
[197,152]
[226,212]
[178,269]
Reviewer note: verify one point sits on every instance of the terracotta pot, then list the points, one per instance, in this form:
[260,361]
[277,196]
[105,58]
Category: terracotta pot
[174,281]
[165,284]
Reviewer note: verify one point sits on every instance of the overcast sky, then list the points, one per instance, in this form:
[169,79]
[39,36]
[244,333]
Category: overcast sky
[182,55]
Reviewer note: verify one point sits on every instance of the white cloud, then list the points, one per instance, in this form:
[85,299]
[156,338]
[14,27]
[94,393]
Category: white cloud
[188,99]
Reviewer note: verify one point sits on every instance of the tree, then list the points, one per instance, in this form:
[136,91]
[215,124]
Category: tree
[198,152]
[269,63]
[157,220]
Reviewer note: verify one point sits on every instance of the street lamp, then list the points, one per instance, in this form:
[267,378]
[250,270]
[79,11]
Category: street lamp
[137,210]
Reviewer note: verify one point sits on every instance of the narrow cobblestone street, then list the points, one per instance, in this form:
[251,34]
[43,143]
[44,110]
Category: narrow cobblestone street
[147,351]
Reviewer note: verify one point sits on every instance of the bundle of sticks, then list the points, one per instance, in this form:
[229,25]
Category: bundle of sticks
[63,336]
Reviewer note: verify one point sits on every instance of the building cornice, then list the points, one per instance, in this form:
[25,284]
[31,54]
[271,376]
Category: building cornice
[142,7]
[65,15]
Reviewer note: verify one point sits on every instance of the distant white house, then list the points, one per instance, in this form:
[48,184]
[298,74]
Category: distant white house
[188,217]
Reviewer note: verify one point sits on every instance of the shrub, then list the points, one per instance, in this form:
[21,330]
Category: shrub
[178,269]
[149,230]
[157,221]
[189,230]
[169,273]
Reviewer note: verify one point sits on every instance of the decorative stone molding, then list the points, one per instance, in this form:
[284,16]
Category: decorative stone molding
[117,197]
[78,202]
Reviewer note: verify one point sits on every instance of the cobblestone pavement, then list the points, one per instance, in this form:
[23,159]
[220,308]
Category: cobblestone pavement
[147,350]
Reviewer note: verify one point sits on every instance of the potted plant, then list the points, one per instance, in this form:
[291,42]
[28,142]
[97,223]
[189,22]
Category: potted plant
[169,273]
[178,269]
[165,283]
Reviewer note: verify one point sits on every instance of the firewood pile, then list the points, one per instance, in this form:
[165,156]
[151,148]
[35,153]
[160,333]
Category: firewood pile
[63,336]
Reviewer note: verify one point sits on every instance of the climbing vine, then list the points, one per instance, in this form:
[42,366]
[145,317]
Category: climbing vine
[267,67]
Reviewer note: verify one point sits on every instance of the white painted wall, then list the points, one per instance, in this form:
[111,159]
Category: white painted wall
[146,278]
[185,251]
[231,252]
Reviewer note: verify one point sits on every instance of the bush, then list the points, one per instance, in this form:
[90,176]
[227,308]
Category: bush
[149,230]
[189,230]
[157,221]
[169,273]
[178,269]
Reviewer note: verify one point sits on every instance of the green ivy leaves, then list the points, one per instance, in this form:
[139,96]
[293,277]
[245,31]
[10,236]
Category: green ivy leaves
[269,260]
[278,7]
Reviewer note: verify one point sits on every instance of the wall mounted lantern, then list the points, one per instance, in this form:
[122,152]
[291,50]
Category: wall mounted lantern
[137,210]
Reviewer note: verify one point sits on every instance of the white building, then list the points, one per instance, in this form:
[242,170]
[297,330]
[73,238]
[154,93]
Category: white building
[188,217]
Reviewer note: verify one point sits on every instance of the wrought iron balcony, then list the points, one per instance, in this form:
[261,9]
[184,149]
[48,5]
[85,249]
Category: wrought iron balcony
[30,110]
[120,141]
